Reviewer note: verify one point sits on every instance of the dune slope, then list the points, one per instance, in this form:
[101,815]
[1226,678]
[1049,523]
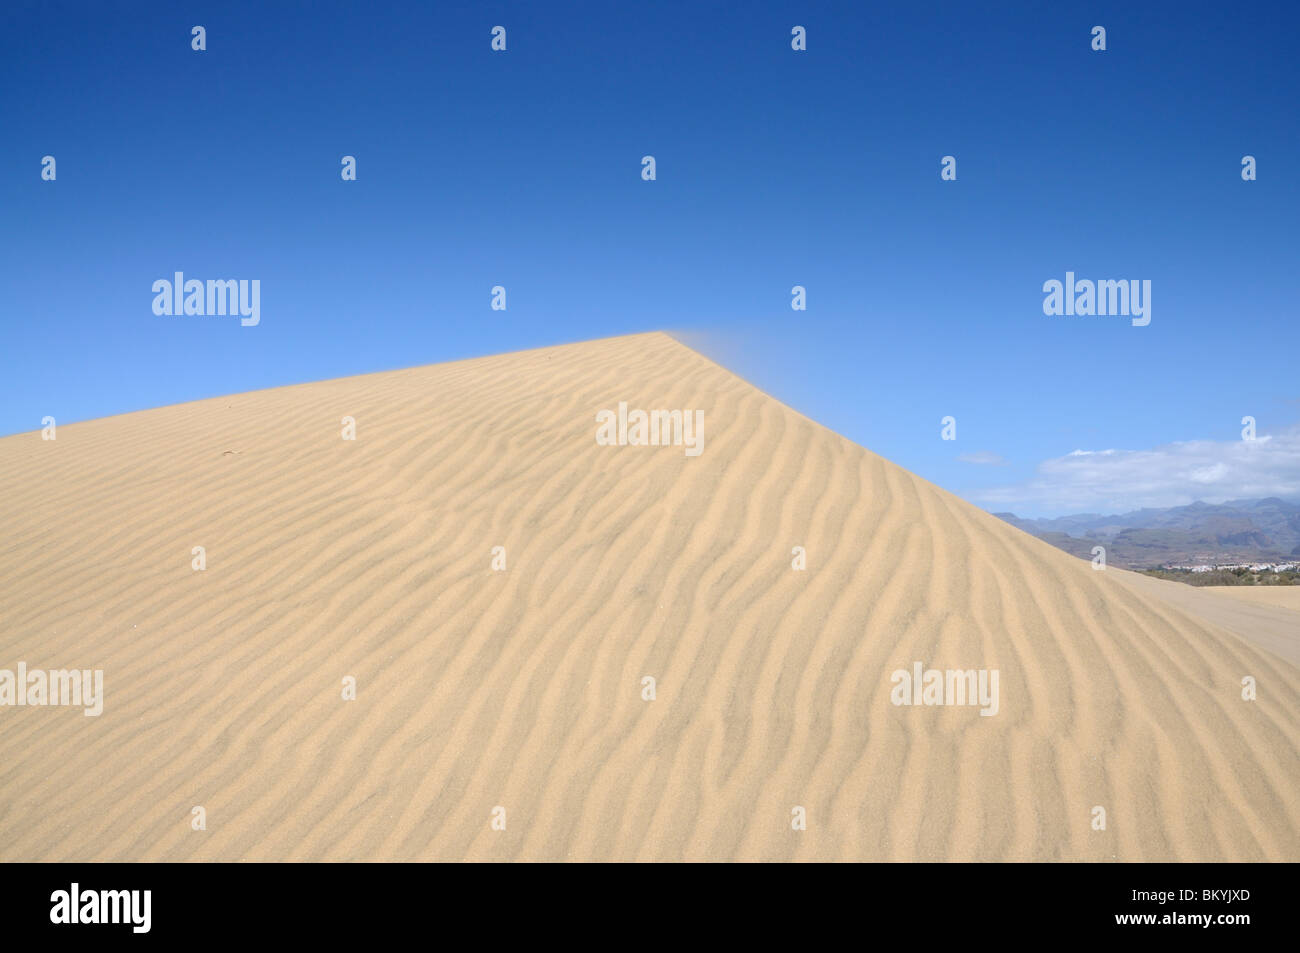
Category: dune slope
[479,688]
[1282,597]
[1258,614]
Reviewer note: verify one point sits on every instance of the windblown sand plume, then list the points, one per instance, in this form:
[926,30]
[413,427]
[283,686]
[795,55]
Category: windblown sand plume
[482,688]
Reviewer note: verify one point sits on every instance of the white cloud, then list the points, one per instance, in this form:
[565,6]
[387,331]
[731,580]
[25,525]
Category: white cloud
[1115,481]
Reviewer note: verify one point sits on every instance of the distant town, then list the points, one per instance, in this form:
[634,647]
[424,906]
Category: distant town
[1231,574]
[1229,567]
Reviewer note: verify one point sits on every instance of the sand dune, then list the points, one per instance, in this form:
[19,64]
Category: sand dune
[1284,597]
[1263,620]
[522,688]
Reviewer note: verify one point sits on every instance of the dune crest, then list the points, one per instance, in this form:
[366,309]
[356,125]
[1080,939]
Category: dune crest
[522,688]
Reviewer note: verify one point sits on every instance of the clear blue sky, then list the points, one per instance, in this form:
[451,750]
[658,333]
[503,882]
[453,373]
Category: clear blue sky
[775,168]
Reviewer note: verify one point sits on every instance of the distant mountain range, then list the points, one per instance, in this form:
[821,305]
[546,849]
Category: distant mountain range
[1265,530]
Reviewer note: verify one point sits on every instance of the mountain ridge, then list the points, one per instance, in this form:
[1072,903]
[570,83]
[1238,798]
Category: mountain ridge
[1245,530]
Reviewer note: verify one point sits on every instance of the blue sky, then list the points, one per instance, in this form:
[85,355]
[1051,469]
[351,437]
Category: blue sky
[775,168]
